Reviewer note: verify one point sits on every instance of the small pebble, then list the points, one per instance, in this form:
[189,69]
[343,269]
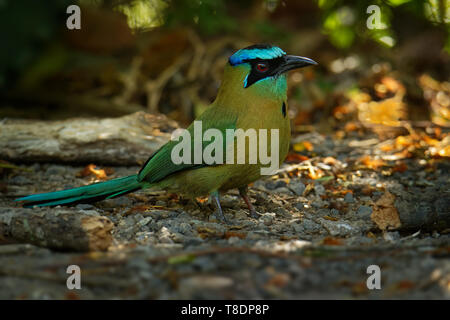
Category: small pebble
[84,206]
[349,197]
[391,236]
[319,189]
[297,187]
[267,218]
[275,184]
[144,222]
[364,211]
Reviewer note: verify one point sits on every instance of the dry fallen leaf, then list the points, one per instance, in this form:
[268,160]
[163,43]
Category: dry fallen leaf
[295,158]
[302,146]
[441,149]
[401,167]
[371,163]
[91,169]
[387,112]
[330,241]
[385,214]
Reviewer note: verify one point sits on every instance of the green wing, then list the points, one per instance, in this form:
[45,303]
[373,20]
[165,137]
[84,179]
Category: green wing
[160,164]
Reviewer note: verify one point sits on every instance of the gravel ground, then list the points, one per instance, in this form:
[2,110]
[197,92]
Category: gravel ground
[314,239]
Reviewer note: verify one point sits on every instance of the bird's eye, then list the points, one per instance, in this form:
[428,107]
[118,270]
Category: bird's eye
[262,67]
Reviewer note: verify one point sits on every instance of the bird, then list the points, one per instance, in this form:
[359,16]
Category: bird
[252,95]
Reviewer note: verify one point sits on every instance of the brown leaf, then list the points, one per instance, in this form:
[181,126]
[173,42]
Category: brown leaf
[91,169]
[387,112]
[295,158]
[229,234]
[330,241]
[371,163]
[385,214]
[401,167]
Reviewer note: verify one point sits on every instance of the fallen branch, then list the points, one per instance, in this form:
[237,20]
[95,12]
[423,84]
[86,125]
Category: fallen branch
[57,229]
[127,140]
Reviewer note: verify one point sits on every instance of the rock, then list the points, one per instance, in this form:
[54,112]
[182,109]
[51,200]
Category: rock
[297,187]
[297,227]
[337,228]
[178,237]
[90,212]
[55,170]
[319,189]
[240,215]
[334,212]
[19,180]
[164,235]
[391,236]
[267,218]
[282,212]
[144,237]
[144,222]
[282,190]
[233,240]
[185,228]
[309,225]
[364,211]
[302,205]
[319,203]
[84,206]
[275,184]
[349,197]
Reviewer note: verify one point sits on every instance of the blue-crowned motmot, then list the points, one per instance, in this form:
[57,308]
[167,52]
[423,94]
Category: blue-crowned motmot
[252,96]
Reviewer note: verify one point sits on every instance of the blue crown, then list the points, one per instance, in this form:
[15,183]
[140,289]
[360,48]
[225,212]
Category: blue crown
[255,52]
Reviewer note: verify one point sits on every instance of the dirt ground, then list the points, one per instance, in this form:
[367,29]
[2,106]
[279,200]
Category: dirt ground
[315,238]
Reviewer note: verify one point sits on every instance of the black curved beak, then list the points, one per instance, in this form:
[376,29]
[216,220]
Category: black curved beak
[294,62]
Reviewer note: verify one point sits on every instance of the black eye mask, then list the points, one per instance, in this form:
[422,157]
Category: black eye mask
[261,69]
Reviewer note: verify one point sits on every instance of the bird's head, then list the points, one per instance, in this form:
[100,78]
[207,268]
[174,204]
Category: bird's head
[260,70]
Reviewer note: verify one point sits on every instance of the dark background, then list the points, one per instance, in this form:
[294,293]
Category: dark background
[168,56]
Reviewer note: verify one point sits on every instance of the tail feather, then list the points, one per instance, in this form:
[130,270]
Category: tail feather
[85,194]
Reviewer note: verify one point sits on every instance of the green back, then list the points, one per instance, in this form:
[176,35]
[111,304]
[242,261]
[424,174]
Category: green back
[160,164]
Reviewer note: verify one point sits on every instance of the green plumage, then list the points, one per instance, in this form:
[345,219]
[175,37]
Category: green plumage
[247,99]
[93,192]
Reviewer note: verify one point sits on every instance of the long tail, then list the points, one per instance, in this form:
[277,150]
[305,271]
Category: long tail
[91,193]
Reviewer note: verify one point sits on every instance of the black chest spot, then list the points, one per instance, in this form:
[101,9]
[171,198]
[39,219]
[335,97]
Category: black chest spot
[283,109]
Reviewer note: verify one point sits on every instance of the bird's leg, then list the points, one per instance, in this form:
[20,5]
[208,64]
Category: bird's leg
[215,197]
[243,192]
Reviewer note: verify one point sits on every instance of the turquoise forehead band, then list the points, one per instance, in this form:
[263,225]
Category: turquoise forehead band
[243,55]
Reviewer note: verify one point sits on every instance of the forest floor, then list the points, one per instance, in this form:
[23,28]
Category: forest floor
[323,222]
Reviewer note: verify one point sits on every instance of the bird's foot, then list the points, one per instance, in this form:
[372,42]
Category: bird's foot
[243,192]
[219,212]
